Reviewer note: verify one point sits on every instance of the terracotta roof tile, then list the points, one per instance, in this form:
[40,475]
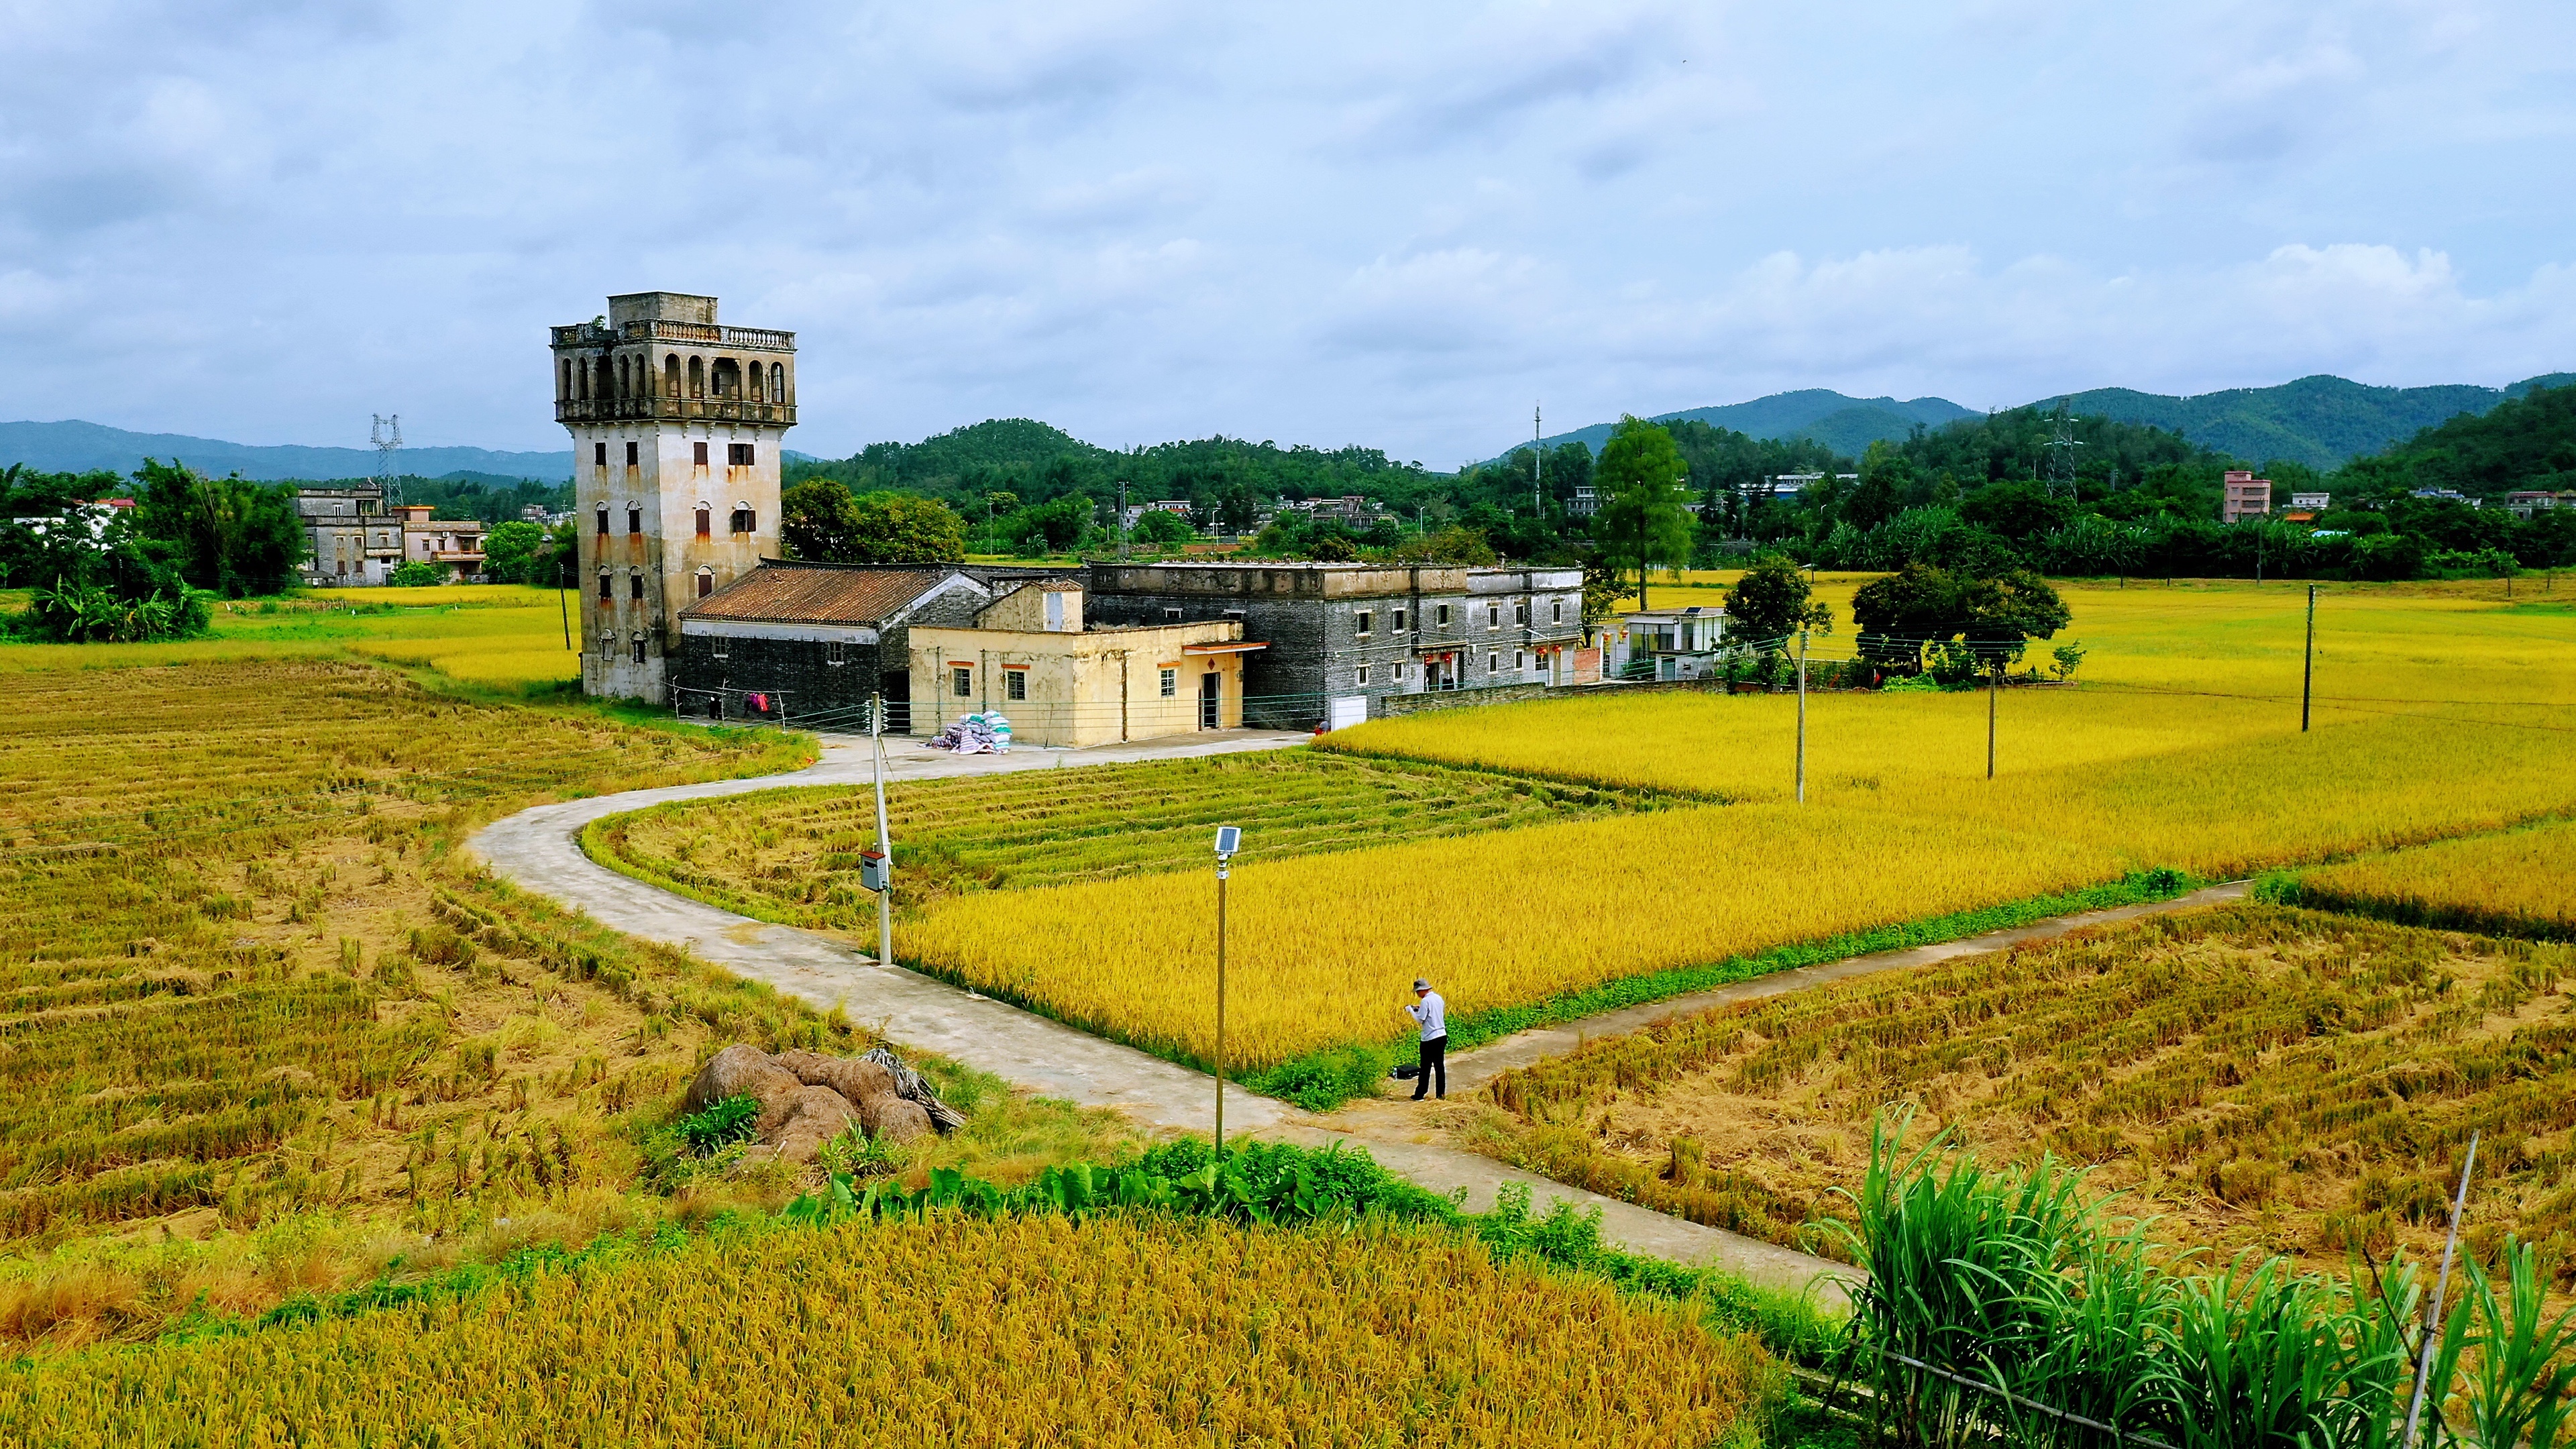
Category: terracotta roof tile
[777,593]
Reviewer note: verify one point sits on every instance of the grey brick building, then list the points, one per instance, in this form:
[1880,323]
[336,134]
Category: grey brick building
[1359,631]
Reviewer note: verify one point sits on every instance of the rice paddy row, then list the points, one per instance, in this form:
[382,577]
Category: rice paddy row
[2259,1076]
[792,855]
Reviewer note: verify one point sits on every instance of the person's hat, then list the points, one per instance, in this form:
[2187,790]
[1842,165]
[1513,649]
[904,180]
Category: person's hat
[1421,985]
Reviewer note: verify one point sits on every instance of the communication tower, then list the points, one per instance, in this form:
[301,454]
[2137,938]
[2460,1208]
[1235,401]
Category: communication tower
[2060,469]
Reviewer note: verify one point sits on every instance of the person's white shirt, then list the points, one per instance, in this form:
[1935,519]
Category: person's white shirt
[1430,1012]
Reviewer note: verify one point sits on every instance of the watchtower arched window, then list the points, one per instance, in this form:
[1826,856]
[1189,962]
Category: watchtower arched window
[607,587]
[635,585]
[639,646]
[706,577]
[759,383]
[600,389]
[728,379]
[621,377]
[671,374]
[634,518]
[563,380]
[697,377]
[603,520]
[706,518]
[745,518]
[778,382]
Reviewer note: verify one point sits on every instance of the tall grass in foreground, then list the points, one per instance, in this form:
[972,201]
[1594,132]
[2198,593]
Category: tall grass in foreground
[2016,1280]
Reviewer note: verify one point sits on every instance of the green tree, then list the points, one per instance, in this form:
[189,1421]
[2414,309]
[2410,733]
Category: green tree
[1770,602]
[414,573]
[818,520]
[229,535]
[2016,509]
[1642,524]
[888,527]
[1924,606]
[512,552]
[1454,545]
[1158,527]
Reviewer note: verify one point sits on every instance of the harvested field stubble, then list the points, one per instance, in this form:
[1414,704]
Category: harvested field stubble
[954,1331]
[2258,1075]
[239,977]
[1322,946]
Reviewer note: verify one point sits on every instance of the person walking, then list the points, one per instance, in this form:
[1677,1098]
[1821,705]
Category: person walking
[1429,1010]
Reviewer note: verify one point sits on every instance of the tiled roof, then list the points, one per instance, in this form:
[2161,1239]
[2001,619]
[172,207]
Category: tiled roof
[785,593]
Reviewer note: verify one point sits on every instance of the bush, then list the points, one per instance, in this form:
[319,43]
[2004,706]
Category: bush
[727,1122]
[414,574]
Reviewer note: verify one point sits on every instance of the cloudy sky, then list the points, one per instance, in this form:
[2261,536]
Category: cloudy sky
[1390,224]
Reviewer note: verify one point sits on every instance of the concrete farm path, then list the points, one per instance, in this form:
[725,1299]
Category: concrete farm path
[539,849]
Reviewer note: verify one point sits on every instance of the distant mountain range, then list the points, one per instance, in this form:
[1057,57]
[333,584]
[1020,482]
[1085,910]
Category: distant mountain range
[2321,421]
[76,447]
[1845,424]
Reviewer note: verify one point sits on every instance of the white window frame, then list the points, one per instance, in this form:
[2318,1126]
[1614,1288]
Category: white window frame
[835,652]
[1366,617]
[1361,676]
[1171,683]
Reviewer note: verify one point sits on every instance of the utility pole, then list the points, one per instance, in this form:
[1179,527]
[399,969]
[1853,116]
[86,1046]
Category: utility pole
[562,608]
[1122,520]
[1994,684]
[2308,664]
[1802,716]
[1229,839]
[1641,560]
[885,841]
[1538,467]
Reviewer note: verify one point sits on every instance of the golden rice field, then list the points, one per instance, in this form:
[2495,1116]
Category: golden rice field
[2519,883]
[1025,1331]
[1322,947]
[2254,1076]
[504,635]
[2435,716]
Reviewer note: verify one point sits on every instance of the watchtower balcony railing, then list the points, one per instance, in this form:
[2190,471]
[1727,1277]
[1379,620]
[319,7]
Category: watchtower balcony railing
[710,409]
[655,329]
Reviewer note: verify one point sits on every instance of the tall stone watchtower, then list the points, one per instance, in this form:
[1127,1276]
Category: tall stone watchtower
[676,424]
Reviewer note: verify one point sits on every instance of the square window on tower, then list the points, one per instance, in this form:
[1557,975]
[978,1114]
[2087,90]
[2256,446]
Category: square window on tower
[630,455]
[599,454]
[738,455]
[698,454]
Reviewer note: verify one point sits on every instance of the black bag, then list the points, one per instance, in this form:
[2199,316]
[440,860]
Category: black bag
[1406,1071]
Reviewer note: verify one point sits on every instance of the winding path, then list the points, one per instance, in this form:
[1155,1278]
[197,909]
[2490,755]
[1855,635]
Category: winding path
[539,849]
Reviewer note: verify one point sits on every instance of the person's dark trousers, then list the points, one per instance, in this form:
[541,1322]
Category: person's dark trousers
[1435,1058]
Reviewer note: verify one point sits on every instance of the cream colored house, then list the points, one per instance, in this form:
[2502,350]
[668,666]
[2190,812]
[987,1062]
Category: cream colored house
[1029,655]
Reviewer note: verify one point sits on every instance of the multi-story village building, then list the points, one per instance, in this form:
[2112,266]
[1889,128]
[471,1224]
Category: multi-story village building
[676,423]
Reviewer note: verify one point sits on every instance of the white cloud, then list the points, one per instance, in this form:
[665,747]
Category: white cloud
[1338,223]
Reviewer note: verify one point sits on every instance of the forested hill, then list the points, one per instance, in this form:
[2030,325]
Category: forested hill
[2526,442]
[1034,462]
[2321,421]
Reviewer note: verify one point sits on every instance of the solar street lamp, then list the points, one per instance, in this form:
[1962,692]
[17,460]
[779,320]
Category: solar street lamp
[1229,839]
